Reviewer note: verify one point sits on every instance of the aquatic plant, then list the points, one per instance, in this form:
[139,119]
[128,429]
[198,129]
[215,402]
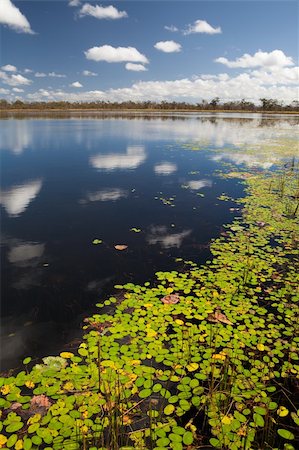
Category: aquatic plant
[204,355]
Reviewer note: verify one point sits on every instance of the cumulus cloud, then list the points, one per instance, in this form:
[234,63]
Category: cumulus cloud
[279,84]
[165,168]
[276,58]
[168,46]
[88,73]
[40,74]
[171,28]
[14,80]
[135,67]
[133,158]
[4,91]
[12,17]
[17,90]
[102,12]
[17,199]
[202,26]
[9,68]
[76,84]
[115,54]
[74,2]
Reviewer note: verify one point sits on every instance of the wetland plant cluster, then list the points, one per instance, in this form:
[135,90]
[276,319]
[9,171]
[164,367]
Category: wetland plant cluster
[216,368]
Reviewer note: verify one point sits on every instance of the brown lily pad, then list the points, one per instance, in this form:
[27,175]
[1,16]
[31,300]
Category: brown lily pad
[170,299]
[219,317]
[120,247]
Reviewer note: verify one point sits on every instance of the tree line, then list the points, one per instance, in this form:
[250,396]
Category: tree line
[214,105]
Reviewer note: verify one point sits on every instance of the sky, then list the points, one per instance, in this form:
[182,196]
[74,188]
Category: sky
[149,50]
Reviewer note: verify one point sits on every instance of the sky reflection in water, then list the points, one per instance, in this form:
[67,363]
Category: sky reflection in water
[67,182]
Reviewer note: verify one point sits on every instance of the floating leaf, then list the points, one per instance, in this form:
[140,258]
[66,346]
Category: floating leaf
[170,299]
[120,247]
[282,411]
[219,317]
[192,366]
[97,241]
[285,434]
[169,409]
[66,355]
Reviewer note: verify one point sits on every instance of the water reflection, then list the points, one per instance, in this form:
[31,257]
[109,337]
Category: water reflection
[133,158]
[17,199]
[195,185]
[105,195]
[165,168]
[247,160]
[159,234]
[25,254]
[16,136]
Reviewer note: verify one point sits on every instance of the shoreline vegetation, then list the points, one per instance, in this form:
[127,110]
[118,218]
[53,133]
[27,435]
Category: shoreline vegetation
[215,105]
[203,357]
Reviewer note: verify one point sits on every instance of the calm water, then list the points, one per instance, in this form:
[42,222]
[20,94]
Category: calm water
[68,181]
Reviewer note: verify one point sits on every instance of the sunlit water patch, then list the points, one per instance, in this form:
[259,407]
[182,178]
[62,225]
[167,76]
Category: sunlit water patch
[73,190]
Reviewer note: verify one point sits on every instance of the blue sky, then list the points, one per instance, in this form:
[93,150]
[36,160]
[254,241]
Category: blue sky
[148,50]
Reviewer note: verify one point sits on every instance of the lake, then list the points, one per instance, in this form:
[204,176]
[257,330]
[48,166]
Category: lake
[75,186]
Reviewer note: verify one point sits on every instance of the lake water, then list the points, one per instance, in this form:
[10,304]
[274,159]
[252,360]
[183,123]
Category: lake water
[69,180]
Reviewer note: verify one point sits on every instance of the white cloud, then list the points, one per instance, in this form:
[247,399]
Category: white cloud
[168,46]
[195,185]
[88,73]
[115,54]
[74,2]
[17,89]
[17,199]
[276,58]
[76,84]
[135,67]
[279,84]
[4,91]
[11,16]
[9,68]
[165,168]
[247,160]
[56,75]
[50,74]
[28,71]
[102,12]
[133,158]
[171,28]
[201,26]
[14,80]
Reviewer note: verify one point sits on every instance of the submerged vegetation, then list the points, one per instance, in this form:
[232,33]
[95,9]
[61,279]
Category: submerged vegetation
[205,357]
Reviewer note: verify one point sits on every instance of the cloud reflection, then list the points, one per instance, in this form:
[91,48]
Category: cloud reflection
[165,168]
[247,160]
[132,159]
[160,235]
[106,195]
[17,199]
[199,184]
[25,254]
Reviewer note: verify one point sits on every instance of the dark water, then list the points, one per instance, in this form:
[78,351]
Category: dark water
[68,181]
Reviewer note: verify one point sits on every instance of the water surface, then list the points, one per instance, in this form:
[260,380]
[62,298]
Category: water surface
[68,181]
